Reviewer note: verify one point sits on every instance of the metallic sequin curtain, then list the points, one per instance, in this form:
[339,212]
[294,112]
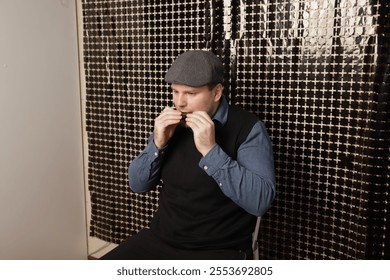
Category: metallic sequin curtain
[317,72]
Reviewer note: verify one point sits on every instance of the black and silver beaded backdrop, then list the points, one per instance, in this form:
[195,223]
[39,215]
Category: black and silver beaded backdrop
[316,72]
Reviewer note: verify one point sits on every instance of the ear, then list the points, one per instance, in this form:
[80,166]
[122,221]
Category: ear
[218,90]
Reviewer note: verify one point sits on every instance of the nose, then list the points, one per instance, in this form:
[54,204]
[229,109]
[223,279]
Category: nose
[180,101]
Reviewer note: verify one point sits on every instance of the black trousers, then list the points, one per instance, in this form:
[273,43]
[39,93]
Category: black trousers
[146,246]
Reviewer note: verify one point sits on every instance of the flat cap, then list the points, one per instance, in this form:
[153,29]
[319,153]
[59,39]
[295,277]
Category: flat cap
[195,68]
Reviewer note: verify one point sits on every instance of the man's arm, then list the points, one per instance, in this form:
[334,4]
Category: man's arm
[250,180]
[144,170]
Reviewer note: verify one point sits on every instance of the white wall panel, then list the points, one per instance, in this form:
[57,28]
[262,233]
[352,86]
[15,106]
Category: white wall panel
[42,201]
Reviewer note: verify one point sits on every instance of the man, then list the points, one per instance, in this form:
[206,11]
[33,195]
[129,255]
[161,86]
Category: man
[216,164]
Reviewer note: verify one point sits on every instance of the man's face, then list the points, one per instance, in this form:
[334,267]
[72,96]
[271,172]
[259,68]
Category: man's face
[190,99]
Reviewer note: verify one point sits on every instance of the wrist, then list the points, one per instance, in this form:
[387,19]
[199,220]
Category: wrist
[158,142]
[205,151]
[158,145]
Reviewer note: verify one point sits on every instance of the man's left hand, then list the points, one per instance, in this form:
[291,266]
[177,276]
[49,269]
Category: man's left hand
[203,129]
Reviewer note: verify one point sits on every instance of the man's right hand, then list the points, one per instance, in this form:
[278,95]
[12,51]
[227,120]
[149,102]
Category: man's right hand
[165,125]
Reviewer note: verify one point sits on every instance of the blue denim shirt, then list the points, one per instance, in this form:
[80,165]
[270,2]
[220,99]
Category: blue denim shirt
[249,181]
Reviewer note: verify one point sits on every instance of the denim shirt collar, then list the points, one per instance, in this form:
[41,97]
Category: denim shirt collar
[222,111]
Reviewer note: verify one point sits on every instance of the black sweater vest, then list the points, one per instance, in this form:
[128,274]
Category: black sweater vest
[193,212]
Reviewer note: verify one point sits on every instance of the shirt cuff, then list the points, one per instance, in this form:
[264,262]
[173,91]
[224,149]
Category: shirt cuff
[213,160]
[152,150]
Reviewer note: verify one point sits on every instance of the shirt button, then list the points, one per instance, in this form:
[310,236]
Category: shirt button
[220,184]
[156,154]
[205,167]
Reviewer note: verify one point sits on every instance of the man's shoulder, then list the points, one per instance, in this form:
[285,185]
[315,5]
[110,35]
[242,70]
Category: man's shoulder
[240,120]
[236,130]
[237,112]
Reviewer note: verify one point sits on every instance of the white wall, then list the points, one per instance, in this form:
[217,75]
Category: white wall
[42,201]
[96,246]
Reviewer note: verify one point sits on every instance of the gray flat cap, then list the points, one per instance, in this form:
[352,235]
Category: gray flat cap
[195,68]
